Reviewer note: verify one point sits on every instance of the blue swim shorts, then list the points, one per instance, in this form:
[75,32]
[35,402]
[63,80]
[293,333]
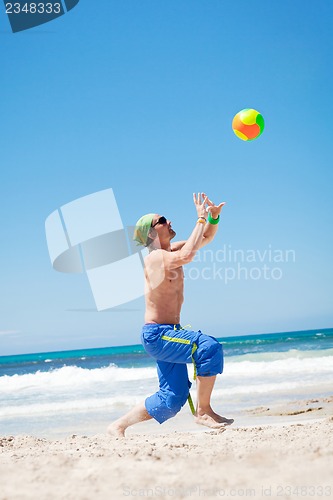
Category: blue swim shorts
[173,347]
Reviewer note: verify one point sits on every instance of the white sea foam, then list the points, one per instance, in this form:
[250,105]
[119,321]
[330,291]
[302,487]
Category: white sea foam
[288,366]
[265,388]
[71,388]
[70,406]
[280,356]
[74,377]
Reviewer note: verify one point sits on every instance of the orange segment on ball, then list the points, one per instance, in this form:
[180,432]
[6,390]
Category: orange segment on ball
[249,131]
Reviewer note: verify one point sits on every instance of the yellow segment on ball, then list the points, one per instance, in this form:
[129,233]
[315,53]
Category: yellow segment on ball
[240,135]
[249,116]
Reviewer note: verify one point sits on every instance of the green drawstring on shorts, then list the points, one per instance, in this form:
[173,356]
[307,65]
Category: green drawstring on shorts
[190,402]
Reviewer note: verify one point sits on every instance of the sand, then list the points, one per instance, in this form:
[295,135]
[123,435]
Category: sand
[285,459]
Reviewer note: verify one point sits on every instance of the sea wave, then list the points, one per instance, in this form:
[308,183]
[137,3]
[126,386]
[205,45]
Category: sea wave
[248,367]
[271,388]
[73,376]
[281,356]
[120,402]
[286,366]
[71,388]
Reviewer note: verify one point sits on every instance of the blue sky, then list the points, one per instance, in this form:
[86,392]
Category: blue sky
[139,97]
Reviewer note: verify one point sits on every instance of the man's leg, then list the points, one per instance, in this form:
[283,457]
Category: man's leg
[177,346]
[204,412]
[209,360]
[164,404]
[134,416]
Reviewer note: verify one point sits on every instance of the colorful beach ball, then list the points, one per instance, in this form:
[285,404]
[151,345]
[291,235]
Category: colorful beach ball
[248,124]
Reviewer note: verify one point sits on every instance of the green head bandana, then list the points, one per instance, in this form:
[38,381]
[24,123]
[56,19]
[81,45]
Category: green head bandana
[142,229]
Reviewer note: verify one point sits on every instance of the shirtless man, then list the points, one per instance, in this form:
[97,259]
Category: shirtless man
[162,336]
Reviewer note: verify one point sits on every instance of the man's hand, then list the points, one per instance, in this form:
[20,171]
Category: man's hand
[214,210]
[200,203]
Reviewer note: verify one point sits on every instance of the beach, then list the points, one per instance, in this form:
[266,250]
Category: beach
[55,408]
[285,459]
[56,394]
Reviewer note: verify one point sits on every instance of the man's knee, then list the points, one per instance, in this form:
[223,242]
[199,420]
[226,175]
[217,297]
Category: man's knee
[209,356]
[175,402]
[163,407]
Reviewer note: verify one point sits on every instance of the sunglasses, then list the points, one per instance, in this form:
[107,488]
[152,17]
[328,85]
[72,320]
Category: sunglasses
[161,220]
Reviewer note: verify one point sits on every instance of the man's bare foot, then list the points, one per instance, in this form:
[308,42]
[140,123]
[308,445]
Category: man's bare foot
[208,421]
[222,420]
[116,430]
[209,416]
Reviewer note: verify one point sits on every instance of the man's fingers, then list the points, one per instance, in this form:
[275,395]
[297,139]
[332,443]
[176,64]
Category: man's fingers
[202,198]
[207,199]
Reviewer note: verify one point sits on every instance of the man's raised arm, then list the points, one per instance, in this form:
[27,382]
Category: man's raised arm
[213,220]
[197,239]
[210,229]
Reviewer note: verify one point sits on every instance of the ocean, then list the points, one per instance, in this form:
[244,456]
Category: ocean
[56,393]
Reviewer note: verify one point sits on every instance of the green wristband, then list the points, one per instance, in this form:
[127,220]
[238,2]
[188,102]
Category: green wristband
[213,221]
